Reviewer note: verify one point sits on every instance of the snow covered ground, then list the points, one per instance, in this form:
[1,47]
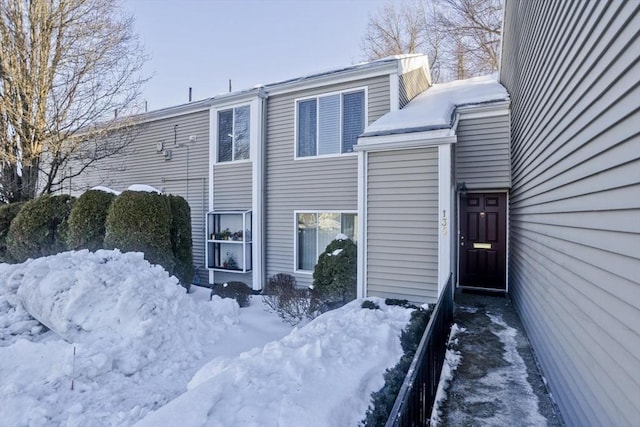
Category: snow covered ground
[123,344]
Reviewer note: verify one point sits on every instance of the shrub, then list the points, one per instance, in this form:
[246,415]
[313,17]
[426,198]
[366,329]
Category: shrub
[283,297]
[40,228]
[181,243]
[382,400]
[334,277]
[87,220]
[236,290]
[7,214]
[370,305]
[140,221]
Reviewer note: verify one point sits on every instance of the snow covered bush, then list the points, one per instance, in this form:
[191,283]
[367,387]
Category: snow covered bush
[181,242]
[334,277]
[141,222]
[382,400]
[87,220]
[239,291]
[7,214]
[283,297]
[40,228]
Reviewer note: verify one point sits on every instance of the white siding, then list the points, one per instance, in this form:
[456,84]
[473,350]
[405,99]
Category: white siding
[312,184]
[402,224]
[482,152]
[572,69]
[142,164]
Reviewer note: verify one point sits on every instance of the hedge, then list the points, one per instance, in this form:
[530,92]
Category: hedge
[181,240]
[40,228]
[141,222]
[7,214]
[87,220]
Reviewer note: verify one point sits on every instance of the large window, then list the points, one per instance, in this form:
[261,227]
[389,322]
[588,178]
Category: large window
[233,134]
[316,230]
[329,124]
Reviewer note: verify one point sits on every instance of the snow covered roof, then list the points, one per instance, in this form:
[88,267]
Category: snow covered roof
[435,108]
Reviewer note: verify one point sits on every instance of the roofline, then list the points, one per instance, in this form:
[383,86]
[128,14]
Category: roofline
[457,109]
[380,67]
[176,110]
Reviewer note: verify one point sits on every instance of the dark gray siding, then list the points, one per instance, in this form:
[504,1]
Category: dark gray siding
[309,184]
[482,152]
[402,224]
[412,84]
[144,165]
[572,69]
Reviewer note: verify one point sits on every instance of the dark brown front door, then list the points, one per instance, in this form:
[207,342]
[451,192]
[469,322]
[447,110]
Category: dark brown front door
[483,233]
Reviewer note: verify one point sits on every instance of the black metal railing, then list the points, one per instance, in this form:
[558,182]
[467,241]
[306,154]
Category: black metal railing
[418,392]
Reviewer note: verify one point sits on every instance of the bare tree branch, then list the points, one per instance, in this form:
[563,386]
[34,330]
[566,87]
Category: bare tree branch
[460,37]
[65,65]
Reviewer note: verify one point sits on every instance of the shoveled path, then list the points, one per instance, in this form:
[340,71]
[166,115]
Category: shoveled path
[497,382]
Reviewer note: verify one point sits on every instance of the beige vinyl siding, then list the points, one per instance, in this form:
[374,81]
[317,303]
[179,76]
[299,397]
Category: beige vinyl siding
[412,84]
[232,184]
[571,69]
[402,224]
[483,153]
[232,190]
[142,164]
[310,184]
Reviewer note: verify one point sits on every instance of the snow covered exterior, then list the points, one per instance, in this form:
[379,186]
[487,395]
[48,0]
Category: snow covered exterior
[411,162]
[571,69]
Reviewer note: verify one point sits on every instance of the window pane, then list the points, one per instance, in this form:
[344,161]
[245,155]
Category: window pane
[241,133]
[328,229]
[307,128]
[350,226]
[307,238]
[329,125]
[352,119]
[225,135]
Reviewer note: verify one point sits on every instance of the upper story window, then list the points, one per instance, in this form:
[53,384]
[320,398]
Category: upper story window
[329,124]
[233,134]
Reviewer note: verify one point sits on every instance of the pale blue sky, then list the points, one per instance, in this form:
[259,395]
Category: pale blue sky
[204,43]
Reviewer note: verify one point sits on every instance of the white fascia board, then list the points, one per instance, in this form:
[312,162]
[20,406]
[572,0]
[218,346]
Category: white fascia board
[405,141]
[257,193]
[362,226]
[394,92]
[444,215]
[235,98]
[332,79]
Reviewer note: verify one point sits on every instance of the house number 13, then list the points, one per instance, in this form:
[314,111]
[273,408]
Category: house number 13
[444,221]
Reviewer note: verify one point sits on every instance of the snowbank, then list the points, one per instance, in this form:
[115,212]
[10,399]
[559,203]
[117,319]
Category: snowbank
[319,375]
[136,335]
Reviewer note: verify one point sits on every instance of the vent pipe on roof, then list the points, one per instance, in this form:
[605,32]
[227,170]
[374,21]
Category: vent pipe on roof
[229,85]
[190,92]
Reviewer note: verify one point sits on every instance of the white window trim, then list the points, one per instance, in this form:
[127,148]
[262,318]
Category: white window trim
[316,96]
[295,233]
[217,147]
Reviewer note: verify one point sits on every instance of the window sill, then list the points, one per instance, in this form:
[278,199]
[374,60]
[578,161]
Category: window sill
[326,156]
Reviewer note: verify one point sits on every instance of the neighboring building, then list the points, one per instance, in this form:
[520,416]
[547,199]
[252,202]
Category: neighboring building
[572,70]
